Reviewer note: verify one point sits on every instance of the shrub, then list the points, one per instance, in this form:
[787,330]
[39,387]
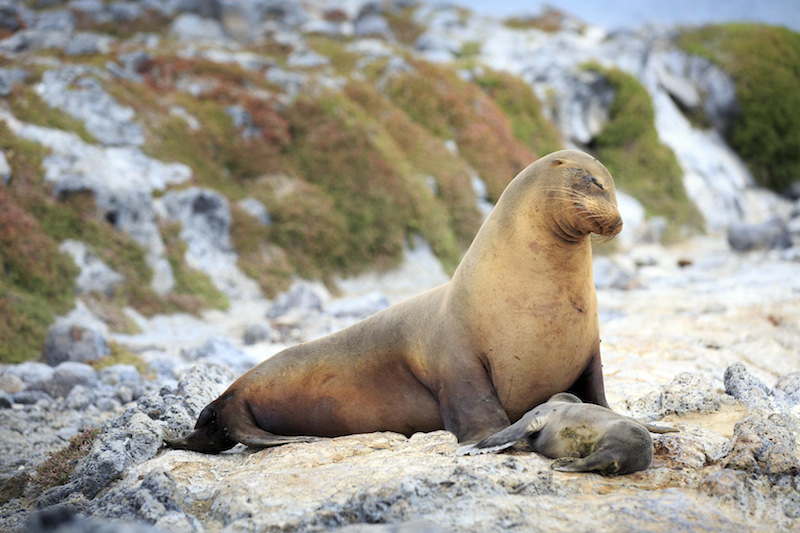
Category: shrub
[631,150]
[765,64]
[57,468]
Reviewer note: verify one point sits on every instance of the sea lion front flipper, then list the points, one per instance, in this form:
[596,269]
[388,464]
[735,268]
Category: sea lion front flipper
[595,462]
[468,403]
[589,386]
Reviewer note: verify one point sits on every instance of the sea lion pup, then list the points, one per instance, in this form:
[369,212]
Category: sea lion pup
[580,437]
[516,324]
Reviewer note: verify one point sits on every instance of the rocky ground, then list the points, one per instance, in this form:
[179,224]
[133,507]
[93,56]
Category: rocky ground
[694,335]
[704,334]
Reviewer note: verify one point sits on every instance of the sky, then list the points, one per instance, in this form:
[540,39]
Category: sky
[616,14]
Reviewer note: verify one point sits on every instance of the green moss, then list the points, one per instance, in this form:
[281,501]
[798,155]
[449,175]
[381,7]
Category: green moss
[470,49]
[630,149]
[765,64]
[58,467]
[343,62]
[121,356]
[190,283]
[266,263]
[27,106]
[452,108]
[522,107]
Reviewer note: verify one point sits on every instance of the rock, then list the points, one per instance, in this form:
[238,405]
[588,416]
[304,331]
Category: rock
[79,398]
[205,219]
[86,43]
[134,61]
[71,374]
[125,11]
[62,520]
[5,170]
[768,235]
[220,351]
[371,23]
[9,18]
[95,275]
[32,374]
[75,91]
[260,332]
[10,76]
[189,28]
[10,383]
[633,215]
[129,439]
[5,403]
[686,393]
[31,397]
[289,82]
[243,121]
[306,59]
[73,343]
[678,452]
[763,445]
[255,209]
[55,21]
[437,48]
[360,307]
[758,397]
[34,40]
[301,300]
[120,376]
[789,384]
[608,274]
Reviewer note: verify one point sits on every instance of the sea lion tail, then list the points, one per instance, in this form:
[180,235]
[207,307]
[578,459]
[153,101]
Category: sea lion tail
[208,436]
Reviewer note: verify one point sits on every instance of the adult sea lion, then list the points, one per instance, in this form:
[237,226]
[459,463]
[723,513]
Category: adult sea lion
[516,324]
[580,437]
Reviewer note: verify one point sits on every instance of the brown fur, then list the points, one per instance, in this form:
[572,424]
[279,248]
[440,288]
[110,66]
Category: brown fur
[516,324]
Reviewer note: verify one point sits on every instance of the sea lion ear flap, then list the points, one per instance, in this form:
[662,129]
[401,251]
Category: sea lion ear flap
[557,162]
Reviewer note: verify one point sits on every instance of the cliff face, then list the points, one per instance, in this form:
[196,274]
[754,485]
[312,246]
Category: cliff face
[189,186]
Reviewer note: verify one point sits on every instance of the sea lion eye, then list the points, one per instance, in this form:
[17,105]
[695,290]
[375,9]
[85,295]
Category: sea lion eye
[594,181]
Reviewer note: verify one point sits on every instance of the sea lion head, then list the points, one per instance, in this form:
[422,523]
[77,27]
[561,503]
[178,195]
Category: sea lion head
[580,194]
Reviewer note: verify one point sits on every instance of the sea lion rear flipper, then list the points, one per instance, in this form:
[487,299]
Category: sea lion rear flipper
[532,422]
[654,428]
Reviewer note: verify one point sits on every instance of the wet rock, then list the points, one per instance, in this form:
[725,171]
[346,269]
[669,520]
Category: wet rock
[95,275]
[768,235]
[360,307]
[66,342]
[256,209]
[301,300]
[255,333]
[686,393]
[68,375]
[220,351]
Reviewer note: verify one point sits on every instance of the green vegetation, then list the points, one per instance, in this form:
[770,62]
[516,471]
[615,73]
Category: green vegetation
[27,106]
[193,287]
[765,64]
[401,21]
[522,107]
[550,20]
[58,467]
[630,149]
[121,356]
[452,108]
